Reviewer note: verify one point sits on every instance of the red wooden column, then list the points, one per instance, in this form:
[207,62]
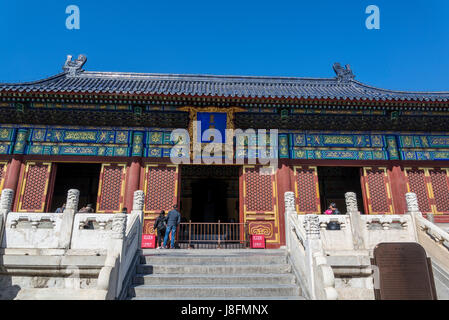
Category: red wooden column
[13,173]
[398,189]
[132,182]
[284,185]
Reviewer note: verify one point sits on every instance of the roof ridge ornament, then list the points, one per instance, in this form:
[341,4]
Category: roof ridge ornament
[73,68]
[343,74]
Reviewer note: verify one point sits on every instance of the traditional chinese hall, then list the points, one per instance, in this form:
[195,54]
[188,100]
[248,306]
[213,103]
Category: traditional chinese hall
[108,134]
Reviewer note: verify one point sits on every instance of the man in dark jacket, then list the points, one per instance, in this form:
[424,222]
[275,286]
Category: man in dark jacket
[173,220]
[160,225]
[334,208]
[333,225]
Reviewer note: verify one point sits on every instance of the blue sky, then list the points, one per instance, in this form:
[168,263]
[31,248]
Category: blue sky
[271,38]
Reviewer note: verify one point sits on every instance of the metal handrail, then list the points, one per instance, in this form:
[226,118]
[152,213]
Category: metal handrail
[215,233]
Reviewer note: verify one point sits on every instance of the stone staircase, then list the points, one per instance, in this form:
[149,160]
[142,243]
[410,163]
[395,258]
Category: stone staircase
[214,274]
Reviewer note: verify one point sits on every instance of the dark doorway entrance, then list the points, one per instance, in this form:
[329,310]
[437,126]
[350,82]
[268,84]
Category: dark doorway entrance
[82,176]
[209,200]
[334,182]
[210,208]
[210,193]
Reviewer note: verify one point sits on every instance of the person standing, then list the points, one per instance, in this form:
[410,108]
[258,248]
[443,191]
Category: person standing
[60,209]
[160,225]
[334,208]
[173,220]
[87,209]
[332,225]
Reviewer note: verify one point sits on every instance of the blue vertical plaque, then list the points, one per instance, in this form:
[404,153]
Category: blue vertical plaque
[212,120]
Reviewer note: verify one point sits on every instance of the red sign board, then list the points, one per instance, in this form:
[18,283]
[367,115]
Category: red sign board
[148,241]
[257,241]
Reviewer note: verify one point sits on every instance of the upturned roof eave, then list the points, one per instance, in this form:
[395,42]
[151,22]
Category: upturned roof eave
[106,95]
[119,84]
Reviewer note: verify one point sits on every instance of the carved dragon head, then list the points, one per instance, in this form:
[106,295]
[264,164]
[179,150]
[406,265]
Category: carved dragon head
[343,74]
[72,68]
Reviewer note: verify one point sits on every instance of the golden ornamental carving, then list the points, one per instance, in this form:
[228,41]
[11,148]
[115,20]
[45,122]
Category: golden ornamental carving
[230,111]
[4,133]
[261,228]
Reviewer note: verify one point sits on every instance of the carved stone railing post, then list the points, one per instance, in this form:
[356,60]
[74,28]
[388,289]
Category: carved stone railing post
[138,200]
[313,247]
[356,223]
[116,250]
[412,203]
[138,204]
[312,226]
[289,204]
[413,210]
[289,200]
[73,197]
[321,276]
[351,202]
[119,226]
[6,200]
[71,207]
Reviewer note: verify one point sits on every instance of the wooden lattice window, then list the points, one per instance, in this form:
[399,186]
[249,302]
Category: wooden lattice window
[417,182]
[431,186]
[307,190]
[161,184]
[34,187]
[378,191]
[161,192]
[440,189]
[260,202]
[259,191]
[3,168]
[112,188]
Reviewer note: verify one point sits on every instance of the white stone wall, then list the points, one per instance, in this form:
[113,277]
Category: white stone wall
[97,238]
[387,228]
[32,230]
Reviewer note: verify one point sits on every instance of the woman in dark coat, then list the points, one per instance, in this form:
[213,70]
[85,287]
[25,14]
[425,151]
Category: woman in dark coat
[160,225]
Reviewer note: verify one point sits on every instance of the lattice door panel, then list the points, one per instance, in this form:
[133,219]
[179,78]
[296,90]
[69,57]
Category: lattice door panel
[307,195]
[161,192]
[417,182]
[378,191]
[161,188]
[112,188]
[440,189]
[3,168]
[260,202]
[259,191]
[34,187]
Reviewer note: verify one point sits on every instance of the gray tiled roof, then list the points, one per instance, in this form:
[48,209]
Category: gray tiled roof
[76,80]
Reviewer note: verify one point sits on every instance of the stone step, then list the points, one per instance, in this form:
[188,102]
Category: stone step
[60,294]
[182,269]
[216,252]
[201,279]
[212,291]
[213,259]
[220,298]
[246,274]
